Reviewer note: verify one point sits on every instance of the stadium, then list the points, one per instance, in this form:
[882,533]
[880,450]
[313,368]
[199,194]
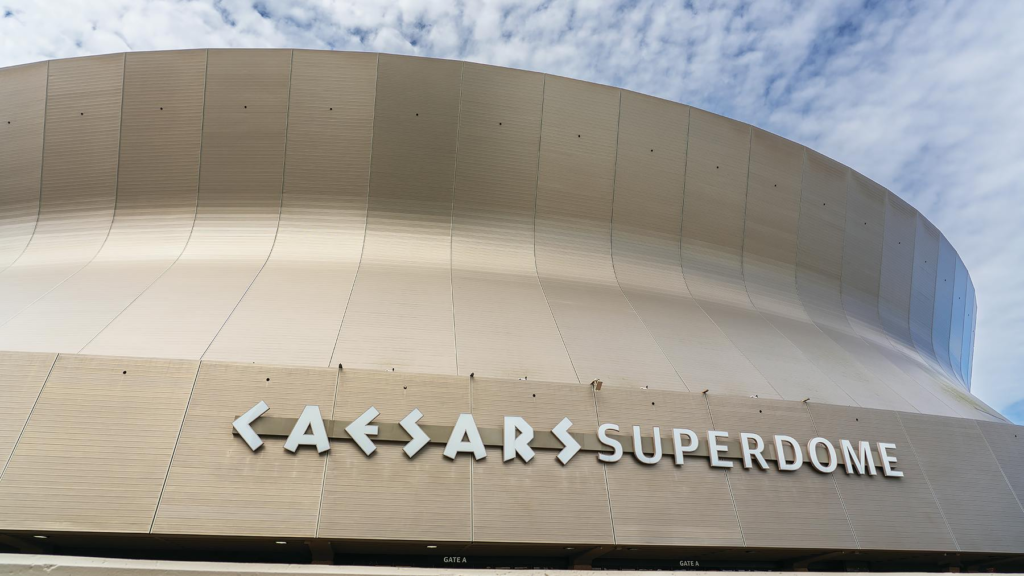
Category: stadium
[304,307]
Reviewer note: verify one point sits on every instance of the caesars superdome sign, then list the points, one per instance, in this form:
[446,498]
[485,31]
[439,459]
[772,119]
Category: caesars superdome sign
[517,438]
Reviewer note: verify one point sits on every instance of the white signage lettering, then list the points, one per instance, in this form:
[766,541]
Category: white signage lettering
[517,436]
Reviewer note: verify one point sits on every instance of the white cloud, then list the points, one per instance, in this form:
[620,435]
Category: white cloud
[924,97]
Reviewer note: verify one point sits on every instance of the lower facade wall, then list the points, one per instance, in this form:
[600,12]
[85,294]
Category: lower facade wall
[103,444]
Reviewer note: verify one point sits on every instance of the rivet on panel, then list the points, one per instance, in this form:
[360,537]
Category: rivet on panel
[417,113]
[246,107]
[534,395]
[268,379]
[759,411]
[161,107]
[579,135]
[716,167]
[652,149]
[81,113]
[499,123]
[331,108]
[124,371]
[652,403]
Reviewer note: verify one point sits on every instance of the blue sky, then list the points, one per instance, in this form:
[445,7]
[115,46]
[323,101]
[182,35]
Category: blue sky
[926,97]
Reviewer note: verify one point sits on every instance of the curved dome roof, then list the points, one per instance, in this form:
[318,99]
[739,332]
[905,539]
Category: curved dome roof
[430,216]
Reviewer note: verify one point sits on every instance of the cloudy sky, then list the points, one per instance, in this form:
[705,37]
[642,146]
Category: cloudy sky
[925,97]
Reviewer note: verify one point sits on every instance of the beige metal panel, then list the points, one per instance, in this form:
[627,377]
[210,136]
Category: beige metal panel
[647,212]
[886,513]
[832,252]
[1007,444]
[156,201]
[504,326]
[83,116]
[389,496]
[769,269]
[543,501]
[665,504]
[922,297]
[897,270]
[96,448]
[712,253]
[21,378]
[217,485]
[400,310]
[862,255]
[942,320]
[22,111]
[292,312]
[974,496]
[604,336]
[242,159]
[806,502]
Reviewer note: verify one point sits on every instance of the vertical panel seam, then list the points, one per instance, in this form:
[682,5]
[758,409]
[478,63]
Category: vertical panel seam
[451,225]
[604,470]
[998,465]
[117,172]
[682,271]
[327,460]
[924,474]
[188,239]
[42,159]
[728,482]
[842,301]
[743,277]
[536,195]
[366,213]
[280,209]
[170,461]
[24,426]
[611,248]
[835,483]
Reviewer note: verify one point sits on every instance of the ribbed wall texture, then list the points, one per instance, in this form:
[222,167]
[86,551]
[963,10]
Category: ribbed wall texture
[255,218]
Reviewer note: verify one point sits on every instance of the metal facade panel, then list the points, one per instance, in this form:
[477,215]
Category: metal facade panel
[400,311]
[967,345]
[886,513]
[241,167]
[897,269]
[79,178]
[972,492]
[22,112]
[769,271]
[806,502]
[1007,444]
[502,320]
[216,485]
[942,320]
[646,218]
[922,297]
[712,252]
[956,325]
[292,312]
[567,504]
[604,336]
[70,472]
[157,184]
[389,496]
[665,504]
[862,256]
[21,378]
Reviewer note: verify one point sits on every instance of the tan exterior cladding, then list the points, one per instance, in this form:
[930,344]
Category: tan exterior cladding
[278,214]
[175,471]
[22,113]
[94,453]
[291,207]
[156,200]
